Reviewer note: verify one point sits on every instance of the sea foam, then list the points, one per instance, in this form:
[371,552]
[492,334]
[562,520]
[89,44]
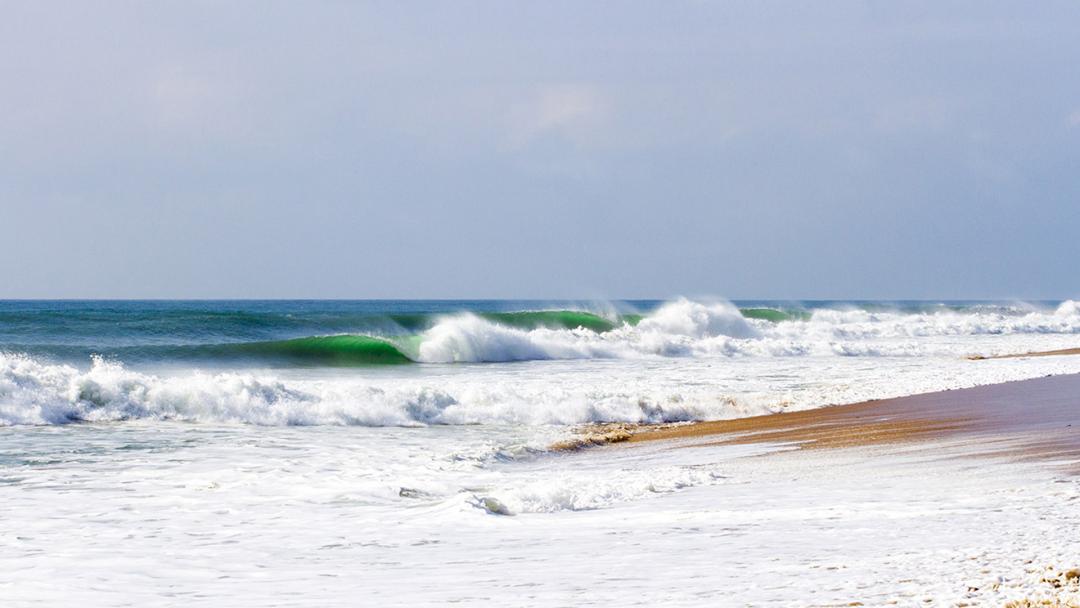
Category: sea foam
[686,361]
[36,393]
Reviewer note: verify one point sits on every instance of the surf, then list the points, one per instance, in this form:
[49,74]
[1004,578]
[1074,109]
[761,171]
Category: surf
[344,350]
[363,334]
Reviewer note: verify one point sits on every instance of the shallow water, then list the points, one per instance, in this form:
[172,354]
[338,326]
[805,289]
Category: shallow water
[182,514]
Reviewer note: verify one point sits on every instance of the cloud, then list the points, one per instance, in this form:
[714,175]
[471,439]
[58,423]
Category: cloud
[574,112]
[1073,119]
[182,100]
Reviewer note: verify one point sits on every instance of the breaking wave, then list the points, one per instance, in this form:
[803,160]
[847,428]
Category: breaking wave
[36,393]
[36,389]
[678,328]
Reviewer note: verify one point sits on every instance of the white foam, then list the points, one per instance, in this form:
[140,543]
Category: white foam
[32,392]
[469,338]
[698,320]
[687,361]
[861,324]
[531,394]
[584,490]
[322,516]
[1068,309]
[684,328]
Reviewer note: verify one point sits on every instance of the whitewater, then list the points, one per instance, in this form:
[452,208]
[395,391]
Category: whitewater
[681,361]
[398,453]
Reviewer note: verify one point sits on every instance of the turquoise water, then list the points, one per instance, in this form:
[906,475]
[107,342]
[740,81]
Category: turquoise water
[383,363]
[308,332]
[335,333]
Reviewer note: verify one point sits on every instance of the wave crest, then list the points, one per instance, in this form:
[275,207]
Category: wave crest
[699,320]
[36,393]
[469,338]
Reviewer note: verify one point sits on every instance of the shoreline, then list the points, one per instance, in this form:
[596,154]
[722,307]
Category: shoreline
[1036,418]
[1036,353]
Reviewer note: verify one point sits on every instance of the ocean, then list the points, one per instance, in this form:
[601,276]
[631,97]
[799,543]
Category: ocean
[517,363]
[304,452]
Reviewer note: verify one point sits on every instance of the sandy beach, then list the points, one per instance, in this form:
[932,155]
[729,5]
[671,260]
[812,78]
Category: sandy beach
[1037,418]
[1035,422]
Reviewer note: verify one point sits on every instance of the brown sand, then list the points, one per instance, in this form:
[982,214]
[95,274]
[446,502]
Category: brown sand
[1037,419]
[1038,353]
[1032,419]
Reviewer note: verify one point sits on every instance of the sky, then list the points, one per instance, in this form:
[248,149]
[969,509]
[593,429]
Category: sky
[539,150]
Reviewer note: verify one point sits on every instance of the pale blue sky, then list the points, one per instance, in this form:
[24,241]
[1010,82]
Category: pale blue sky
[556,149]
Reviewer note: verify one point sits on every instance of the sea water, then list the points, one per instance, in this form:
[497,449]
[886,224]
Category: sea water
[313,453]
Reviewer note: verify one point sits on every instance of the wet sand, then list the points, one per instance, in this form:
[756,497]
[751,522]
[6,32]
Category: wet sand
[1031,420]
[1039,353]
[1037,419]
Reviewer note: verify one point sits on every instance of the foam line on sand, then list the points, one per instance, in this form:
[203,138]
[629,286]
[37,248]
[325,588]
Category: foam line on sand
[1037,418]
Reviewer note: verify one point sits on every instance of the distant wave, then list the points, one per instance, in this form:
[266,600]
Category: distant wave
[685,328]
[386,344]
[524,319]
[680,328]
[775,315]
[327,350]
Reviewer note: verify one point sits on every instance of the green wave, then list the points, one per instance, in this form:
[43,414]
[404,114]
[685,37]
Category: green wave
[323,350]
[554,319]
[363,348]
[358,349]
[349,350]
[774,315]
[527,319]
